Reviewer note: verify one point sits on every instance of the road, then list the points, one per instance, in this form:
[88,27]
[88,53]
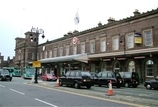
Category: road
[18,94]
[139,92]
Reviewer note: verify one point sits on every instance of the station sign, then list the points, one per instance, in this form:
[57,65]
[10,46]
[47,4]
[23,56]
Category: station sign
[36,64]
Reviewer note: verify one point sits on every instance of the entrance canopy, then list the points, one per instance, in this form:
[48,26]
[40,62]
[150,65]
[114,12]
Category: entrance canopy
[77,57]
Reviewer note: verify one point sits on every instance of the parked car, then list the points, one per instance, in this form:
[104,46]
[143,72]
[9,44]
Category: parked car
[130,79]
[49,77]
[153,83]
[5,75]
[94,76]
[105,77]
[77,78]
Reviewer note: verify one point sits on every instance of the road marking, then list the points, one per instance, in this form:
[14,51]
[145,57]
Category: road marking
[45,102]
[95,97]
[17,91]
[2,86]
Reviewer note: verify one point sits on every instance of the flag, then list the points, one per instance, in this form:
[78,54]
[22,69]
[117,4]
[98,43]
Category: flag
[77,19]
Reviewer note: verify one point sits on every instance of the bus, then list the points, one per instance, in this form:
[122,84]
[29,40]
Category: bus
[28,72]
[14,71]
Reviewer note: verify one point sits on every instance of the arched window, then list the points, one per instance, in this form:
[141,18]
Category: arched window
[131,66]
[117,67]
[149,68]
[103,66]
[45,54]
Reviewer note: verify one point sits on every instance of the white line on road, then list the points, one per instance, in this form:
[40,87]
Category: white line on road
[17,91]
[45,102]
[2,86]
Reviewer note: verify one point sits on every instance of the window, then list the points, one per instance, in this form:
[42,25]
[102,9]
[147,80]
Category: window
[130,40]
[45,54]
[103,46]
[77,74]
[22,57]
[67,74]
[67,50]
[149,68]
[115,42]
[55,52]
[41,55]
[92,47]
[103,66]
[131,66]
[148,41]
[33,56]
[117,67]
[18,57]
[61,51]
[110,75]
[38,56]
[104,74]
[50,53]
[72,74]
[99,74]
[74,49]
[82,48]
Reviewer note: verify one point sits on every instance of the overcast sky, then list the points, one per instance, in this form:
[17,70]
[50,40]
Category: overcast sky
[56,17]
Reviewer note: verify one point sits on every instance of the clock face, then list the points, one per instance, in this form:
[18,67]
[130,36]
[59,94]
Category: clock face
[43,48]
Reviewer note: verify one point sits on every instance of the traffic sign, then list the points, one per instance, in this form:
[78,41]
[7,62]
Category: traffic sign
[36,64]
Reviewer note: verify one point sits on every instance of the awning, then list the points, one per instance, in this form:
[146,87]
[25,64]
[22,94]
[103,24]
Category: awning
[77,57]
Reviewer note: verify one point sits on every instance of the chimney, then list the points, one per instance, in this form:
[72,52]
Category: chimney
[111,20]
[99,24]
[136,12]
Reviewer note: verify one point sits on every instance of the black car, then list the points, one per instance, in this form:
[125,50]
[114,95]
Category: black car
[94,76]
[5,75]
[130,79]
[105,77]
[151,83]
[77,78]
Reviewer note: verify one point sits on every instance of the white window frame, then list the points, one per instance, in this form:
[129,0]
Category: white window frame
[33,56]
[130,40]
[45,54]
[55,52]
[115,43]
[61,51]
[103,45]
[145,38]
[67,50]
[82,48]
[92,47]
[50,53]
[75,49]
[149,68]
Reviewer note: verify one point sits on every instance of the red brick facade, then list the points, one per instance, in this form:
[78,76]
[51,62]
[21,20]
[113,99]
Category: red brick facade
[119,55]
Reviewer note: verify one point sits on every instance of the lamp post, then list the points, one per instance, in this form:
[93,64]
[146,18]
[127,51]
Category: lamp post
[22,71]
[35,32]
[123,40]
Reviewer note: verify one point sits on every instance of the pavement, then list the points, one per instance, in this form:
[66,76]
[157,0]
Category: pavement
[119,97]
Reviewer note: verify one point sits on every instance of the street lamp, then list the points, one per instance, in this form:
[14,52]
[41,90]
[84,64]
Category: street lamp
[35,32]
[123,40]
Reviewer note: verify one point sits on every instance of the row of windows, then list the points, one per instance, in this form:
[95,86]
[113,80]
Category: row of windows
[128,41]
[149,67]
